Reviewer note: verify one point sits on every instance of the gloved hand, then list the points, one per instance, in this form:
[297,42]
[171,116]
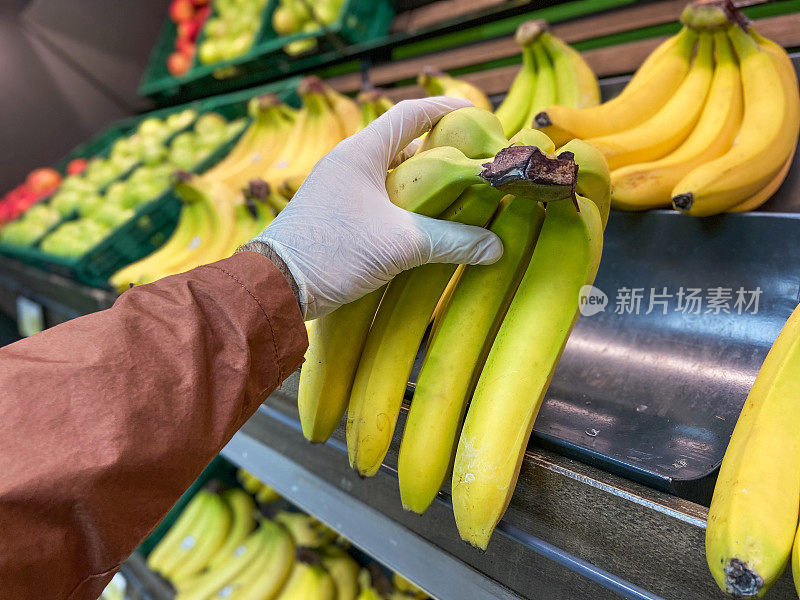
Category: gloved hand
[342,238]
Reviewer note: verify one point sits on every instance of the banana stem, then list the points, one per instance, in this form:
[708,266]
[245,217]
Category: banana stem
[527,172]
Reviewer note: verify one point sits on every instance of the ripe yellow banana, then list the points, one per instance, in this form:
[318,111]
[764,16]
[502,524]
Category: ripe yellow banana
[404,586]
[249,482]
[594,179]
[753,516]
[264,577]
[649,184]
[768,134]
[765,194]
[305,529]
[544,92]
[335,343]
[516,106]
[367,101]
[267,495]
[168,546]
[394,338]
[520,365]
[671,125]
[243,521]
[455,357]
[437,83]
[576,83]
[346,111]
[308,582]
[562,123]
[206,585]
[650,64]
[343,570]
[212,531]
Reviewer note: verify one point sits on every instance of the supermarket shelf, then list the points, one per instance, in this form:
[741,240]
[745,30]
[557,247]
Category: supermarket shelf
[576,531]
[62,299]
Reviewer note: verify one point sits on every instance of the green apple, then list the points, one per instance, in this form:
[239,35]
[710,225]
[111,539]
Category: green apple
[210,122]
[112,215]
[153,127]
[179,120]
[66,201]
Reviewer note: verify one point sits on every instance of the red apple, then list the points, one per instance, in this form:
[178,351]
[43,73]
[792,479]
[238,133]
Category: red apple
[178,64]
[45,180]
[77,166]
[202,14]
[185,46]
[181,10]
[188,30]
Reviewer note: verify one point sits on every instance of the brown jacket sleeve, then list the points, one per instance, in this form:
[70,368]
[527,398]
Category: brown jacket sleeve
[107,419]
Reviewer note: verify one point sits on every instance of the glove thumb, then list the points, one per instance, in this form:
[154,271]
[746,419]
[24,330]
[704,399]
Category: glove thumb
[457,243]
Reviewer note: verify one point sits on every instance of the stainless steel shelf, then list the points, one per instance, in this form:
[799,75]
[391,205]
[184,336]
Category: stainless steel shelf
[571,532]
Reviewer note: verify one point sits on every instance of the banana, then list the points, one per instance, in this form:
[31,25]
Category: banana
[394,338]
[343,570]
[476,132]
[437,83]
[649,185]
[367,101]
[188,222]
[455,358]
[428,182]
[404,586]
[650,64]
[236,561]
[765,194]
[533,137]
[766,138]
[383,104]
[544,93]
[267,495]
[249,482]
[264,577]
[305,530]
[369,585]
[515,107]
[562,123]
[242,507]
[576,83]
[753,515]
[520,365]
[347,112]
[212,530]
[186,522]
[594,179]
[671,125]
[335,343]
[308,582]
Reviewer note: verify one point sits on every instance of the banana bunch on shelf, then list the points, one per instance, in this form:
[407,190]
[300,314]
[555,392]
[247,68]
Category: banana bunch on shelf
[231,203]
[552,72]
[304,16]
[708,124]
[221,547]
[498,330]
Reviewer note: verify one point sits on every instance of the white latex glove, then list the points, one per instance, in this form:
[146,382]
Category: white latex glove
[341,237]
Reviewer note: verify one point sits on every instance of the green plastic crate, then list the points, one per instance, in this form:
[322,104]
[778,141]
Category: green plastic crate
[154,221]
[359,21]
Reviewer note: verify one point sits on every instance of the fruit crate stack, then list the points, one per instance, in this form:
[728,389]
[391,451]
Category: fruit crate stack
[153,220]
[223,54]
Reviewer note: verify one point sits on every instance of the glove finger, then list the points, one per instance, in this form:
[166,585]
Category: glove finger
[458,243]
[382,140]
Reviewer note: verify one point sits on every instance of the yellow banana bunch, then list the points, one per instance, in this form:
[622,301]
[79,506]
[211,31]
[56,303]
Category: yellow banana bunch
[437,83]
[766,139]
[552,72]
[161,557]
[652,89]
[306,531]
[520,365]
[343,570]
[373,103]
[752,521]
[308,582]
[200,546]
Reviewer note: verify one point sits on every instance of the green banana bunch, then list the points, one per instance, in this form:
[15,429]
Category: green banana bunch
[520,365]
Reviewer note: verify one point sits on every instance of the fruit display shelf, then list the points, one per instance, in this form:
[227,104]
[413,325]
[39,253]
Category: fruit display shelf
[154,221]
[359,21]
